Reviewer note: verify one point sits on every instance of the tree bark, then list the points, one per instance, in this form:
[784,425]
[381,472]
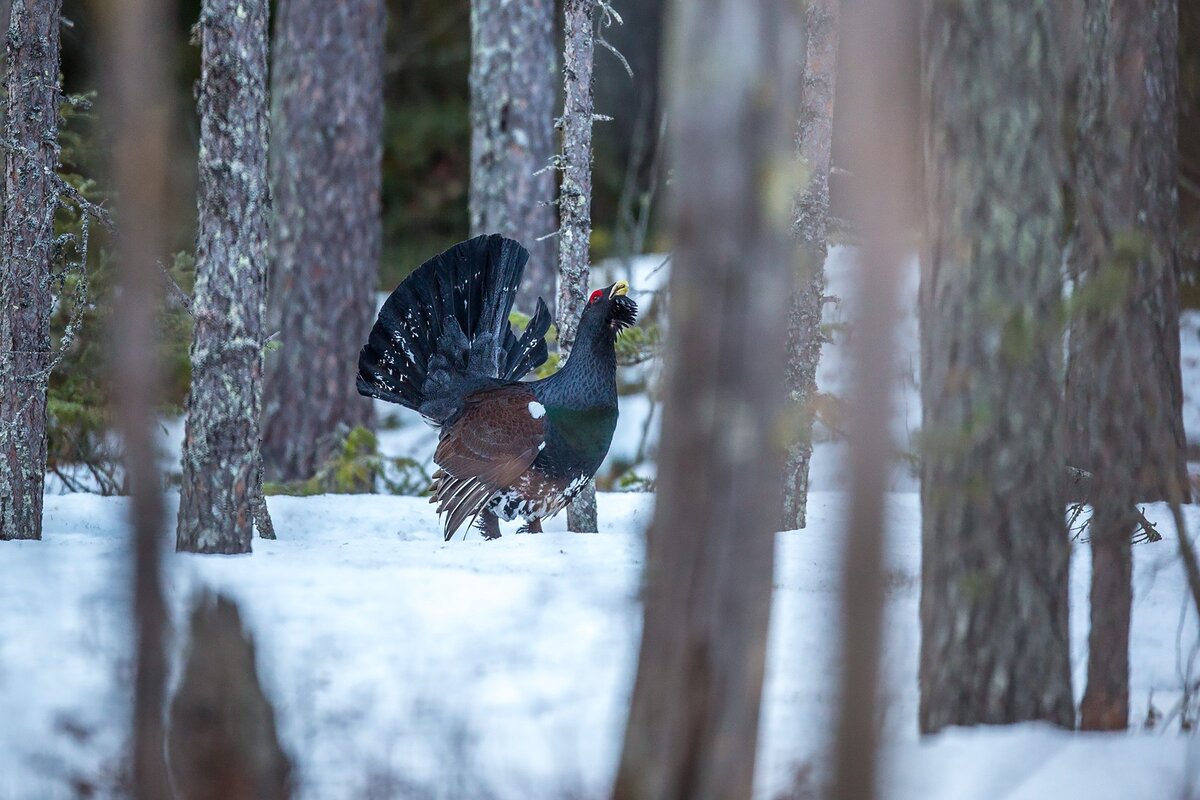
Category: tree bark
[811,228]
[512,134]
[327,133]
[220,450]
[1122,387]
[995,552]
[575,202]
[138,111]
[26,242]
[223,743]
[693,722]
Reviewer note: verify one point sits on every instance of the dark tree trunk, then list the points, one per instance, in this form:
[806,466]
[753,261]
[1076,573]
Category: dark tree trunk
[512,134]
[575,201]
[995,552]
[220,450]
[223,743]
[693,721]
[26,241]
[327,134]
[138,106]
[812,229]
[1123,378]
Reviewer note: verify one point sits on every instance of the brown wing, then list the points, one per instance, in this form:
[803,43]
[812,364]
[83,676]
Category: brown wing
[485,450]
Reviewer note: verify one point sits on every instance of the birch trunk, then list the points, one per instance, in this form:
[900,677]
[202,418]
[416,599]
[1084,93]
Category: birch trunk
[812,229]
[575,202]
[512,134]
[693,721]
[327,134]
[995,552]
[1123,378]
[26,241]
[221,440]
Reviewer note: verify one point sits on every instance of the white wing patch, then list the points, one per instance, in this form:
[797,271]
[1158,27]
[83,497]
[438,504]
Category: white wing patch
[536,409]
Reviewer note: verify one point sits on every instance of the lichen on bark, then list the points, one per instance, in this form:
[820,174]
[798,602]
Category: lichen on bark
[26,239]
[811,228]
[575,201]
[220,451]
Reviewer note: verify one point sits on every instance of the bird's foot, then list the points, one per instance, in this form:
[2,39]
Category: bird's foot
[489,525]
[532,526]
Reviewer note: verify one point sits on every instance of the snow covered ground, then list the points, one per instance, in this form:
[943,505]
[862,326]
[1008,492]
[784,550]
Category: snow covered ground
[403,666]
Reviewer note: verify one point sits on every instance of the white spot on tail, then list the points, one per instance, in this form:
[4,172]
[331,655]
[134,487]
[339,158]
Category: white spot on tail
[537,410]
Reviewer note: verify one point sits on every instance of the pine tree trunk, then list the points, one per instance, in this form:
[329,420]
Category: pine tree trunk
[327,129]
[26,240]
[1122,389]
[138,105]
[693,721]
[995,552]
[512,134]
[221,438]
[812,229]
[575,202]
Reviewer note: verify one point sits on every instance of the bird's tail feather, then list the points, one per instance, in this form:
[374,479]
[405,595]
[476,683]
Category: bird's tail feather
[445,328]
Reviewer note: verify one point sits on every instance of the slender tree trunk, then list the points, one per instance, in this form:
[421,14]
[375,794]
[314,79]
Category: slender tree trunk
[512,133]
[995,552]
[139,116]
[220,450]
[223,740]
[575,202]
[1121,388]
[327,134]
[812,229]
[26,242]
[693,721]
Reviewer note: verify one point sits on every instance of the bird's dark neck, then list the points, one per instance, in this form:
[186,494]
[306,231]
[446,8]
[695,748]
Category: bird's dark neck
[589,378]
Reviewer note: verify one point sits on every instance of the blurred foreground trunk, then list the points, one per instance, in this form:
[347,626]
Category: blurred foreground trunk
[26,243]
[1123,379]
[220,450]
[693,723]
[139,114]
[326,147]
[995,552]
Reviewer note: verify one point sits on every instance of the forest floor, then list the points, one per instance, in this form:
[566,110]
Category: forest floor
[404,666]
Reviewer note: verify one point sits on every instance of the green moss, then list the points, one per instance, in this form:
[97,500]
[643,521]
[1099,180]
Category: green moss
[356,467]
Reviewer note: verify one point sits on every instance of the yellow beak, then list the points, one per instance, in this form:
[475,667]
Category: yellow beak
[620,289]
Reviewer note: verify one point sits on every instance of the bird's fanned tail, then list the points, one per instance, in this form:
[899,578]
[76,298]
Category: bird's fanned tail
[444,331]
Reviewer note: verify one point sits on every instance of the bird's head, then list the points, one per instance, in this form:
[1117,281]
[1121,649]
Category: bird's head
[612,307]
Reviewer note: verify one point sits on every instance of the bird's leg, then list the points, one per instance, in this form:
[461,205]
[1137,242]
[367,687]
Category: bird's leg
[531,526]
[488,524]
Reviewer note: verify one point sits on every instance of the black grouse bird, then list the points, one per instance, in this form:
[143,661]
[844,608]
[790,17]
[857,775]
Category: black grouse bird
[443,346]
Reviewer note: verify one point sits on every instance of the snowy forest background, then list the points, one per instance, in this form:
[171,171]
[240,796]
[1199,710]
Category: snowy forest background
[899,500]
